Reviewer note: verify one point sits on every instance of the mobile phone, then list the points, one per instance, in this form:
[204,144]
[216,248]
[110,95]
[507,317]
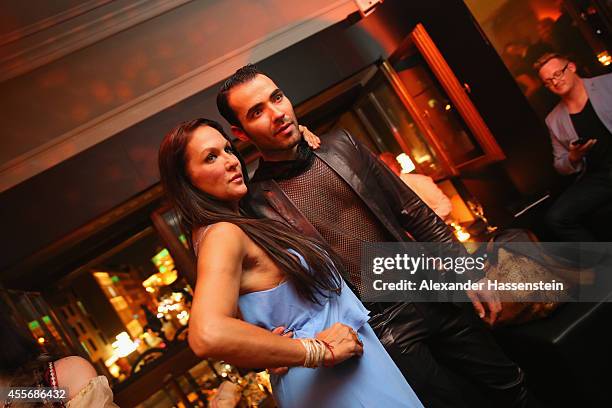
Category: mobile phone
[579,141]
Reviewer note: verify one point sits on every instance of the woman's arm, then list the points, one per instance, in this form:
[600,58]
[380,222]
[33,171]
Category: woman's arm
[214,330]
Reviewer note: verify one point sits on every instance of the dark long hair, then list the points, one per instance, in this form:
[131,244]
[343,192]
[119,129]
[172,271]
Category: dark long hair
[196,209]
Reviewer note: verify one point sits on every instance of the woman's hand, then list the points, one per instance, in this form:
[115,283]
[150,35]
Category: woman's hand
[310,138]
[343,340]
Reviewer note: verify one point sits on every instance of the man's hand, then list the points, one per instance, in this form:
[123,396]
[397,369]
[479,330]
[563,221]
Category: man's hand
[577,151]
[313,140]
[280,370]
[488,298]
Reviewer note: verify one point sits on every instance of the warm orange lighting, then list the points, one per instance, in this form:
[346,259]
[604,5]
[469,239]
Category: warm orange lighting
[159,279]
[41,340]
[124,345]
[604,58]
[151,281]
[114,370]
[380,33]
[168,277]
[544,10]
[461,234]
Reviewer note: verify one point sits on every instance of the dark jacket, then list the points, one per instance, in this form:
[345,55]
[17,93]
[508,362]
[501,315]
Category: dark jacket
[401,212]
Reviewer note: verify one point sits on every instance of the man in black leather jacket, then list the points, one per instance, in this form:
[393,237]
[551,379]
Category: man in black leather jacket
[343,194]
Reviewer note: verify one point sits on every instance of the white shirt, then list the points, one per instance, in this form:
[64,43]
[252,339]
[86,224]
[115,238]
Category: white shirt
[429,192]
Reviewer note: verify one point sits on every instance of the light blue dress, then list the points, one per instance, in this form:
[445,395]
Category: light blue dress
[372,380]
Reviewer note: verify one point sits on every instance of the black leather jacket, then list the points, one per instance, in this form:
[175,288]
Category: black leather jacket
[405,216]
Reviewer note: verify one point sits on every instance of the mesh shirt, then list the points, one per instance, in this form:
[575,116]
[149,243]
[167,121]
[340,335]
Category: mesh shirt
[339,215]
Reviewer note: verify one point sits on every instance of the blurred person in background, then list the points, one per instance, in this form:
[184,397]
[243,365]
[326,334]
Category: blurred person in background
[24,364]
[422,185]
[580,129]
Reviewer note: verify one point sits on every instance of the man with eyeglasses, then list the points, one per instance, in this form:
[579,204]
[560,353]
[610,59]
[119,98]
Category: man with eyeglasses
[580,129]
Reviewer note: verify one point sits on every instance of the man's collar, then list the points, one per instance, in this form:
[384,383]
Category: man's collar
[282,170]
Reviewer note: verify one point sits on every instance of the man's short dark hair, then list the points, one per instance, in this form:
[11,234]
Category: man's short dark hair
[241,76]
[544,58]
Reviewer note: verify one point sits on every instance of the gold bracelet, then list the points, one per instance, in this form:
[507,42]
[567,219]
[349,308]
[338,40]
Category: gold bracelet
[308,357]
[315,352]
[321,352]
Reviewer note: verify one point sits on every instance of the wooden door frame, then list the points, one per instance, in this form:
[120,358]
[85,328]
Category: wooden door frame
[424,44]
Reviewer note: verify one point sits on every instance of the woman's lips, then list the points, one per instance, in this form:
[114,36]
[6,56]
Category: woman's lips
[237,179]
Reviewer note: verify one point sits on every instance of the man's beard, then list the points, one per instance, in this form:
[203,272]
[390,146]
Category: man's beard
[281,147]
[285,148]
[296,140]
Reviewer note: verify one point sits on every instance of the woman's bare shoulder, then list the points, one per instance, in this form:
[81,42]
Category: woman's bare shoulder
[73,373]
[222,234]
[224,227]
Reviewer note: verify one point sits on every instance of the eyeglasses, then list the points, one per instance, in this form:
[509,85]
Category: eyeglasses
[557,75]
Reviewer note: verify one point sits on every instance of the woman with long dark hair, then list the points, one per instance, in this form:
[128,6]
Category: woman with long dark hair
[255,275]
[24,364]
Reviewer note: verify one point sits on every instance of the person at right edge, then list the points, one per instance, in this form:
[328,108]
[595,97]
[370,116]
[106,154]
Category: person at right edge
[343,194]
[580,129]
